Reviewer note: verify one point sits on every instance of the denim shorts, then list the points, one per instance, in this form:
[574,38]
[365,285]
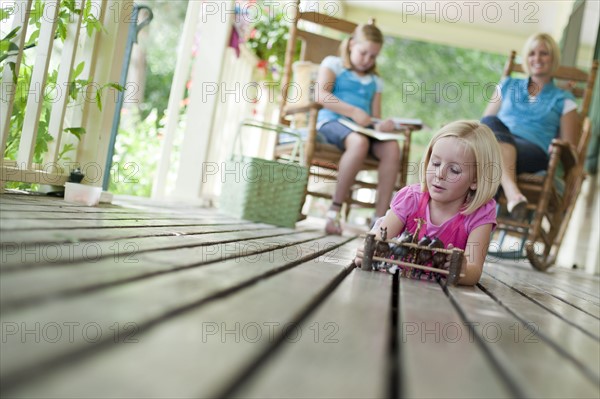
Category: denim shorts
[335,133]
[530,157]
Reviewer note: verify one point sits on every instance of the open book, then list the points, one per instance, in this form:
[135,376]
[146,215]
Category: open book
[383,136]
[401,123]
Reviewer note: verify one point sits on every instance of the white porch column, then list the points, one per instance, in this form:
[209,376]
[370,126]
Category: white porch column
[108,55]
[182,71]
[214,29]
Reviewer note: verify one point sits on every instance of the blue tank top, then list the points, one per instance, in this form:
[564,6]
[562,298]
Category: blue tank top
[350,89]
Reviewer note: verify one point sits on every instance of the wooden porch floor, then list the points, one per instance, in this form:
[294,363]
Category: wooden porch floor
[148,300]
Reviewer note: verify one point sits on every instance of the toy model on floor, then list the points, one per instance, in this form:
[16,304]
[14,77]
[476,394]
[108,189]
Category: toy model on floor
[412,257]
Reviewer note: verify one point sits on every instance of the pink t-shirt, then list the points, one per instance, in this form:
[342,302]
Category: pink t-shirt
[406,202]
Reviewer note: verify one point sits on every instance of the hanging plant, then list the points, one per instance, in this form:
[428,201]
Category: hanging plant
[268,40]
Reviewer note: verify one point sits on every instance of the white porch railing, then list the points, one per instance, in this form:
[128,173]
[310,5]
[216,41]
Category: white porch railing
[102,55]
[241,98]
[222,95]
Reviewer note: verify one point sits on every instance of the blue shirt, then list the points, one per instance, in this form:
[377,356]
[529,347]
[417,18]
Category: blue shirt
[535,119]
[351,88]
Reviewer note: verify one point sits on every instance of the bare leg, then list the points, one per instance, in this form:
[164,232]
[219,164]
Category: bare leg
[388,153]
[357,148]
[509,176]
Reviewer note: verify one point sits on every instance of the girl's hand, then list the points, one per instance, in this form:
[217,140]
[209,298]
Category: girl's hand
[374,230]
[357,261]
[361,117]
[463,267]
[386,126]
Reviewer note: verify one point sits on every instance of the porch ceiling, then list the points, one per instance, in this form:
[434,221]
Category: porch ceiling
[496,26]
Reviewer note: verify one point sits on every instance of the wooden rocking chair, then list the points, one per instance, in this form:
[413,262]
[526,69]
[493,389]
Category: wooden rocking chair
[552,195]
[298,111]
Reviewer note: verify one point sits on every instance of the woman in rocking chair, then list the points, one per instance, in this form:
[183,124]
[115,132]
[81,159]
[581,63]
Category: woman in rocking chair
[526,114]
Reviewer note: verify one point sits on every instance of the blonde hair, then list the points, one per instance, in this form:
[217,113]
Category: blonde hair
[480,139]
[362,33]
[550,44]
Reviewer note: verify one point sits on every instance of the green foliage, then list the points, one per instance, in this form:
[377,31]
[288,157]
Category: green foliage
[76,86]
[6,45]
[159,46]
[137,153]
[436,83]
[5,13]
[137,148]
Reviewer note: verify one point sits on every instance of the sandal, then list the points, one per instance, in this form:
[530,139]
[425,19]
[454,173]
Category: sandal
[518,208]
[333,226]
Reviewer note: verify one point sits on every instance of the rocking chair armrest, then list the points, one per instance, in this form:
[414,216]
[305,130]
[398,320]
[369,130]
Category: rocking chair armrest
[568,156]
[302,108]
[410,129]
[413,127]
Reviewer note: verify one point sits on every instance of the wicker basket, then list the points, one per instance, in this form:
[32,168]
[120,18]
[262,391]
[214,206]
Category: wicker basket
[262,190]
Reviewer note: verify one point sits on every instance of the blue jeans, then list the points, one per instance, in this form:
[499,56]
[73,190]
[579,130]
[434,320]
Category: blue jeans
[530,157]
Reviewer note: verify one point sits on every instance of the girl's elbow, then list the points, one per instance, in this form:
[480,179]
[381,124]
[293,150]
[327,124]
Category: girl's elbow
[468,281]
[472,274]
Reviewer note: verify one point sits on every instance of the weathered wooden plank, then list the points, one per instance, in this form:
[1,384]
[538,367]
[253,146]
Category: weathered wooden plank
[15,225]
[351,328]
[35,199]
[60,236]
[97,216]
[4,207]
[580,279]
[42,202]
[70,208]
[141,304]
[526,342]
[20,289]
[26,257]
[67,209]
[439,358]
[554,325]
[168,284]
[522,266]
[16,206]
[551,281]
[578,312]
[20,211]
[199,353]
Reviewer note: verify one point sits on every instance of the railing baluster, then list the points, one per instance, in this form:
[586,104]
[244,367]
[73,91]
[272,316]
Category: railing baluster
[35,98]
[22,11]
[181,75]
[77,115]
[57,116]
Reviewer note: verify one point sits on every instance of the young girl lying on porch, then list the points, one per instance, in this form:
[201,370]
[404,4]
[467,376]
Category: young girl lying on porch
[460,175]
